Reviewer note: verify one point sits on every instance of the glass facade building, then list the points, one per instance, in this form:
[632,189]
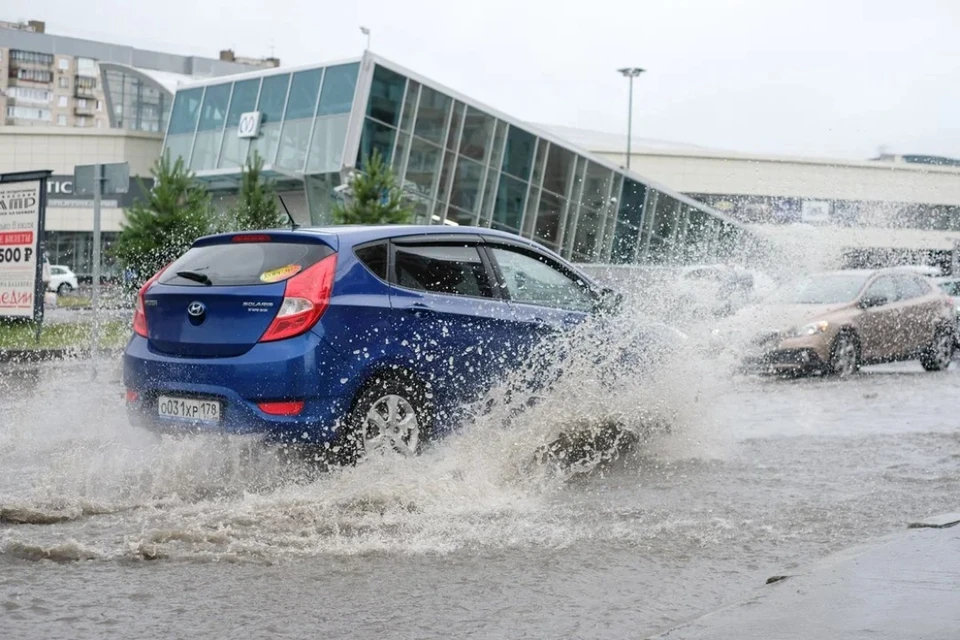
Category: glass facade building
[459,162]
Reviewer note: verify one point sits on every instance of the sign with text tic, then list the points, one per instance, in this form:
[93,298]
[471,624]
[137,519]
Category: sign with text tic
[20,218]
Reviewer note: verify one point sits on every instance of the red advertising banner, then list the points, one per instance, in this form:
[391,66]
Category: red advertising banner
[16,238]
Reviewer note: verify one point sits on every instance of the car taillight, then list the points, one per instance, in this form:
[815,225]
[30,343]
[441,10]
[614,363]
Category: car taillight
[139,315]
[305,298]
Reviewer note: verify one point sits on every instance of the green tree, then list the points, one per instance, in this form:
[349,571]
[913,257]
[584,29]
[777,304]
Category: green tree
[174,213]
[375,197]
[256,206]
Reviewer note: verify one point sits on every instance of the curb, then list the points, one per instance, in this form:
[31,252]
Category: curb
[26,356]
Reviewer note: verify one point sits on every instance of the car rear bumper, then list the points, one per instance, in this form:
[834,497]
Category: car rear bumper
[302,368]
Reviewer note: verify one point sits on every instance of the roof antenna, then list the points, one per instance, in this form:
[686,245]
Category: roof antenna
[293,223]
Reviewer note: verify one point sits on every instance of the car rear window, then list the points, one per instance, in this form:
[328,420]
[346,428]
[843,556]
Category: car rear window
[243,263]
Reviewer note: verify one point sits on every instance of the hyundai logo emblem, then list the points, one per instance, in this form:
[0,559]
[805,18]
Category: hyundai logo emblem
[196,309]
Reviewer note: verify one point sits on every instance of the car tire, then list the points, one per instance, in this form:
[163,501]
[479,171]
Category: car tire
[938,355]
[844,355]
[64,289]
[391,415]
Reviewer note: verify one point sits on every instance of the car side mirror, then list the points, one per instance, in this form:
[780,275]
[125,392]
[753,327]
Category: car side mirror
[872,301]
[609,301]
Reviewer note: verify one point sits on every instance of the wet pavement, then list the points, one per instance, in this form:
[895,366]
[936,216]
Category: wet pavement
[901,587]
[108,532]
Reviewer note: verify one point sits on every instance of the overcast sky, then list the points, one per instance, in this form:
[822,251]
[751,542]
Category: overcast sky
[836,78]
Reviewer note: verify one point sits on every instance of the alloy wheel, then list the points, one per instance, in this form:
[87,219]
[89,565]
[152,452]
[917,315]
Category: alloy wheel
[942,350]
[391,425]
[844,360]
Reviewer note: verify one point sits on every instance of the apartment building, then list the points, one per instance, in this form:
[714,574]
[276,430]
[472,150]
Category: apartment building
[52,80]
[67,101]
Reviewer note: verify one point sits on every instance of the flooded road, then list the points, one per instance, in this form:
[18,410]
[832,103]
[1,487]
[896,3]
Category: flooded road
[109,532]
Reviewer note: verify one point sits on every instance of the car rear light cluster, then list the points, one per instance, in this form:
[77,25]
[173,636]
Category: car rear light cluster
[139,314]
[305,298]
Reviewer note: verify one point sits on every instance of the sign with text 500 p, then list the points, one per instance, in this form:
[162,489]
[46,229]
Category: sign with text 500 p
[19,238]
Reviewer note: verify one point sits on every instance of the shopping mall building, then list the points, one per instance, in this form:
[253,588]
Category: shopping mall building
[459,162]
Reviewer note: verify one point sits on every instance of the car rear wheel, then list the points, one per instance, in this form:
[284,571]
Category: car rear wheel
[64,289]
[390,416]
[939,354]
[845,355]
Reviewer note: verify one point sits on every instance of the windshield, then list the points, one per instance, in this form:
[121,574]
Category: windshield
[822,289]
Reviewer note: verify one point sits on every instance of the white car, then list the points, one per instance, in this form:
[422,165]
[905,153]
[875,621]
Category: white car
[62,279]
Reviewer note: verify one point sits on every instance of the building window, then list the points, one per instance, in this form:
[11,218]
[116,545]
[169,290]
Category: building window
[35,75]
[63,64]
[27,94]
[303,94]
[87,67]
[62,101]
[432,115]
[33,57]
[214,110]
[273,97]
[386,96]
[186,108]
[99,123]
[28,113]
[99,105]
[518,155]
[64,82]
[244,99]
[82,103]
[62,120]
[339,85]
[83,122]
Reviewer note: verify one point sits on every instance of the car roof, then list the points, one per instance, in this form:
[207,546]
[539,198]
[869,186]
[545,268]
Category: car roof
[356,234]
[872,272]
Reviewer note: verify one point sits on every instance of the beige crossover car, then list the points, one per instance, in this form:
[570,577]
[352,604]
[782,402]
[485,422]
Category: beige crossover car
[834,322]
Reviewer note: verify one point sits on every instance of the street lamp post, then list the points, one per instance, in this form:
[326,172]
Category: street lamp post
[631,73]
[366,31]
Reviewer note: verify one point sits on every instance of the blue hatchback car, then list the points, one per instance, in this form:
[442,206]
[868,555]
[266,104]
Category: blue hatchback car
[357,338]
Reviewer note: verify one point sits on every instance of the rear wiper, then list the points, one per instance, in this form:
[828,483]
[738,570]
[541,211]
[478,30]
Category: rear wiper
[202,278]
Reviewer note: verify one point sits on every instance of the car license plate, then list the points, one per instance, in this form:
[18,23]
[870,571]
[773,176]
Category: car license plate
[188,409]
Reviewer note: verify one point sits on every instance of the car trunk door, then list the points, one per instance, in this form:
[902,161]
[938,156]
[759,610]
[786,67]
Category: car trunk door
[218,299]
[203,322]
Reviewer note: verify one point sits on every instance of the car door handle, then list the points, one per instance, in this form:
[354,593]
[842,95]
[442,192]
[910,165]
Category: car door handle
[419,305]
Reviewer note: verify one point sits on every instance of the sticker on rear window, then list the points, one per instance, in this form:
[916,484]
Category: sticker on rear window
[276,275]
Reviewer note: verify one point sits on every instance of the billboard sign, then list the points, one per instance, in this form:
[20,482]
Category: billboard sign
[21,228]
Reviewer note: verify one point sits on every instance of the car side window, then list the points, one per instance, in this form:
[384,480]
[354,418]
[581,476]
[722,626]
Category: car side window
[951,288]
[883,287]
[534,281]
[374,257]
[923,286]
[449,269]
[910,287]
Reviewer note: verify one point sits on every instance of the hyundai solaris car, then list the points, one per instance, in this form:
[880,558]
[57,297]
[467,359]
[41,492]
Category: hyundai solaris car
[354,338]
[835,321]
